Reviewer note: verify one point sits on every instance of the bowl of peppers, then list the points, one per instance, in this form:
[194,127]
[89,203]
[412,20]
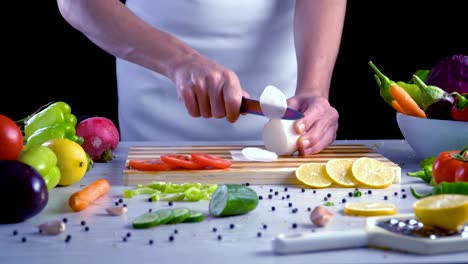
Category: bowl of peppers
[432,108]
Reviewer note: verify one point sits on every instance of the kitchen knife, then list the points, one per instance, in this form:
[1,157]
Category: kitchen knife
[252,106]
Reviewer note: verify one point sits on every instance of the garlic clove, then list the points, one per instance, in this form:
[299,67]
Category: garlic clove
[117,210]
[321,216]
[52,228]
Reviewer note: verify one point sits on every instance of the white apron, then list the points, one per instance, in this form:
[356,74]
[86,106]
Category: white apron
[254,38]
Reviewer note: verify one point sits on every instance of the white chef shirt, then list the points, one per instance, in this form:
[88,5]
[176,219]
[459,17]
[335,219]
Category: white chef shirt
[254,38]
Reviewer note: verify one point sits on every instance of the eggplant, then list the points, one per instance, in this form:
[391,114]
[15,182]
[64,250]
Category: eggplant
[441,109]
[23,191]
[437,103]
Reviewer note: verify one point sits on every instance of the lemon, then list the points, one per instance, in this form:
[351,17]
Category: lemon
[339,171]
[313,175]
[372,173]
[369,209]
[447,211]
[71,160]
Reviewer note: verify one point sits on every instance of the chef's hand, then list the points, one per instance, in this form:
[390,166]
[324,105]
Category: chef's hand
[207,88]
[319,125]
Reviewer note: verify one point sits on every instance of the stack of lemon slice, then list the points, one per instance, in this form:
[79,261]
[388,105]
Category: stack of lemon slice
[364,172]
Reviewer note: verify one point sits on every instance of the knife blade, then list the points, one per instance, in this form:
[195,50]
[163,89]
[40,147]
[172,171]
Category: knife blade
[252,106]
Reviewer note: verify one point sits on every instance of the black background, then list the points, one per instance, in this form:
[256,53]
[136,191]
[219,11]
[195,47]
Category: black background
[45,59]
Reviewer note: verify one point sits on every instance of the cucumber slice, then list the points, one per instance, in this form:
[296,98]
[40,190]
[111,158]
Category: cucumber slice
[195,216]
[147,220]
[179,215]
[232,199]
[165,215]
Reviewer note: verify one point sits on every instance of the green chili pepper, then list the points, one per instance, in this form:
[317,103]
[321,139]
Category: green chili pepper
[58,112]
[425,173]
[444,188]
[384,83]
[58,130]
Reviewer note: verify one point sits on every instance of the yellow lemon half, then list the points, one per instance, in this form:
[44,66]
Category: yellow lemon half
[71,160]
[339,171]
[369,209]
[447,211]
[372,173]
[313,175]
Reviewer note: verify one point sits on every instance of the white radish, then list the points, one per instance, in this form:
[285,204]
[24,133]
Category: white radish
[273,102]
[259,154]
[280,137]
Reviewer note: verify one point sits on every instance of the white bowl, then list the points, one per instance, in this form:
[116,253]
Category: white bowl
[429,137]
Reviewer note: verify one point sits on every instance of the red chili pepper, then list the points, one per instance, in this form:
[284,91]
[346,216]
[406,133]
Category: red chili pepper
[460,107]
[450,166]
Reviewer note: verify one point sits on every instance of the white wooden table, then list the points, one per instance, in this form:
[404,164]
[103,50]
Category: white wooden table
[196,242]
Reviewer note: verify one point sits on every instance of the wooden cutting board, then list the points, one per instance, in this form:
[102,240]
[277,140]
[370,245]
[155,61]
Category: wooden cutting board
[280,171]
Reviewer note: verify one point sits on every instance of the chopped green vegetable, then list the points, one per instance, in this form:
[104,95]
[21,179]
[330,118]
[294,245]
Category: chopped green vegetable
[329,204]
[357,193]
[162,191]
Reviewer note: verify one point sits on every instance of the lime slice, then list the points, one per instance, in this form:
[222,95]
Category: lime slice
[179,215]
[165,215]
[147,220]
[195,216]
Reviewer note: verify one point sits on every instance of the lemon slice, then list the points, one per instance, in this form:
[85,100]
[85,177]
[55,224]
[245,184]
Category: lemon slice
[369,209]
[447,211]
[313,174]
[339,171]
[372,173]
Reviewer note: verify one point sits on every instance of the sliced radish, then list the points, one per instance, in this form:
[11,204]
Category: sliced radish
[259,154]
[273,102]
[280,137]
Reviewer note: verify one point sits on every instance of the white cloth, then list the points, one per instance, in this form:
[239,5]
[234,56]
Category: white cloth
[254,38]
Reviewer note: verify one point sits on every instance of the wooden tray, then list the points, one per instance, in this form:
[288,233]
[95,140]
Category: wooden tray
[280,171]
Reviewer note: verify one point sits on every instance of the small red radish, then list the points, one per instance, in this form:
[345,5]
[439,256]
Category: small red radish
[100,136]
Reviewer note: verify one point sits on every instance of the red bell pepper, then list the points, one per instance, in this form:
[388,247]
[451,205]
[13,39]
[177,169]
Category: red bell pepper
[459,109]
[451,166]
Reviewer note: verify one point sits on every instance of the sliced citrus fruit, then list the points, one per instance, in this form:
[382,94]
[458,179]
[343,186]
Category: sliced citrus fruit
[372,173]
[313,175]
[339,171]
[369,209]
[447,211]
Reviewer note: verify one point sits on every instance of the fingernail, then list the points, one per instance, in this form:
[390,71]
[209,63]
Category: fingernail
[301,128]
[305,143]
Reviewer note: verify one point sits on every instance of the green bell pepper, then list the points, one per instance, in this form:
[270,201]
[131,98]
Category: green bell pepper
[55,113]
[44,160]
[57,130]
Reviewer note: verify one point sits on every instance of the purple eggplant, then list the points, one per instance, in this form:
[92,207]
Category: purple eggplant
[23,191]
[437,103]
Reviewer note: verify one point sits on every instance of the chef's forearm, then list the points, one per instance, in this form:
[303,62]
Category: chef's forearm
[114,28]
[318,25]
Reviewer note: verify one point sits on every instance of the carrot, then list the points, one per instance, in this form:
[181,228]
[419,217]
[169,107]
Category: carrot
[81,199]
[409,106]
[397,107]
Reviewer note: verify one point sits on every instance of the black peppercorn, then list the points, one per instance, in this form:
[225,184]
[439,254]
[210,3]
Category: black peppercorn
[170,203]
[23,239]
[260,197]
[83,223]
[273,208]
[171,238]
[259,234]
[231,226]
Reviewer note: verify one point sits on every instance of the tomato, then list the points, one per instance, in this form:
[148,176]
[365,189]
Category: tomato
[151,165]
[11,139]
[450,166]
[183,161]
[211,161]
